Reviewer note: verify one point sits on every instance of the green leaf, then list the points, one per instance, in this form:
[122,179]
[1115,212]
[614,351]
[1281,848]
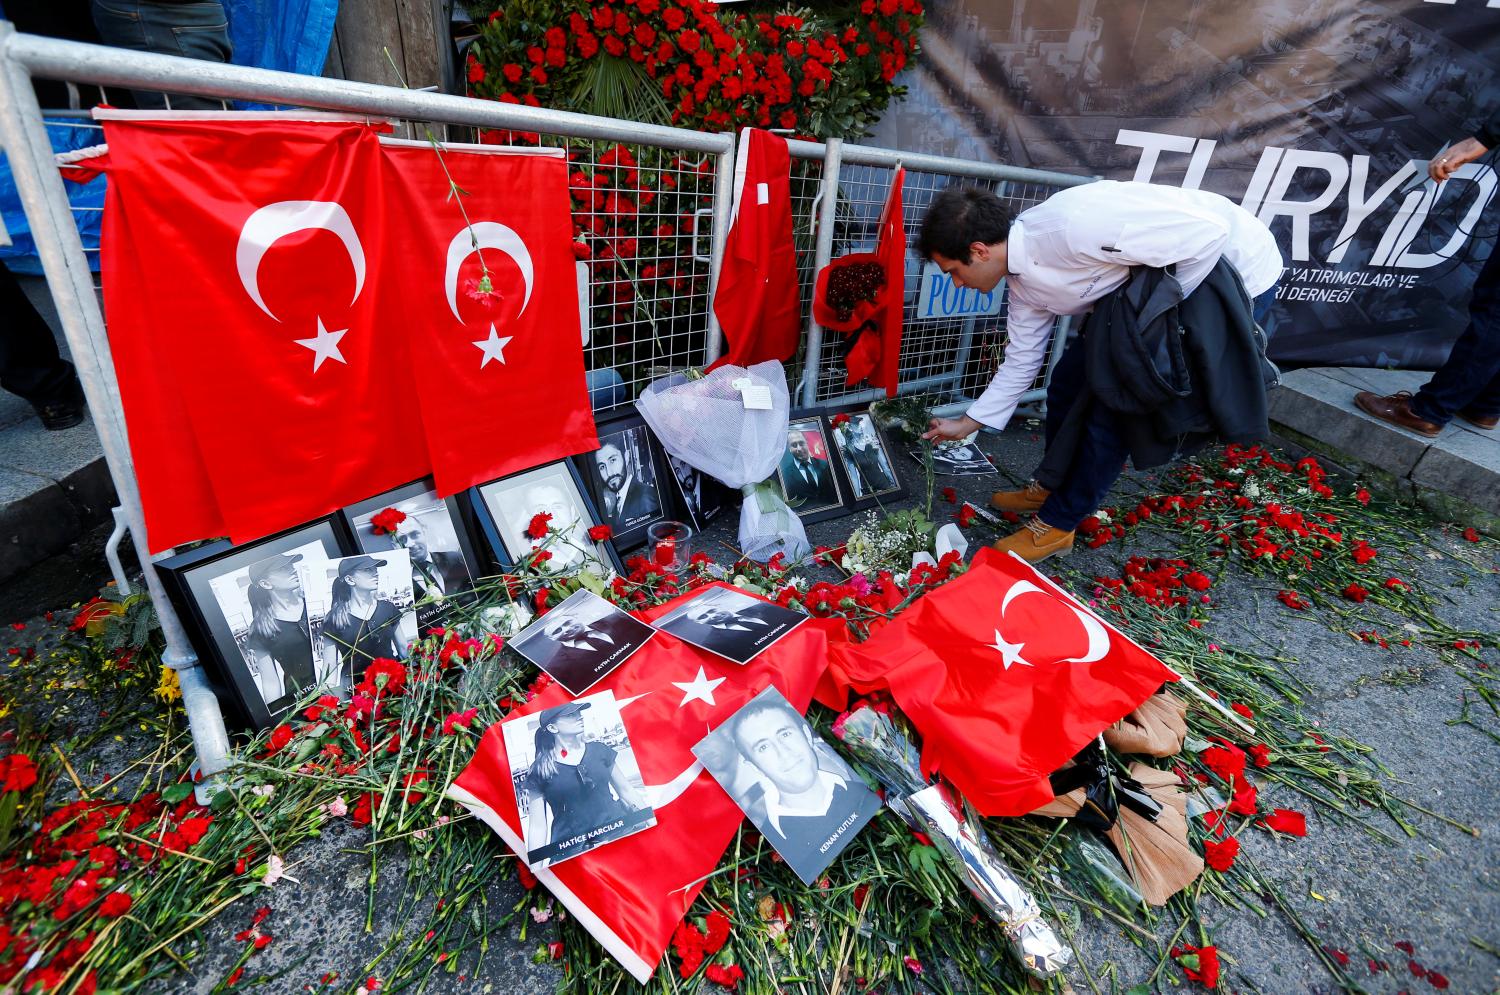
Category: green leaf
[174,793]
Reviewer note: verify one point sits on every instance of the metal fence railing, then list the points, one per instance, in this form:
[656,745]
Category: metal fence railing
[651,208]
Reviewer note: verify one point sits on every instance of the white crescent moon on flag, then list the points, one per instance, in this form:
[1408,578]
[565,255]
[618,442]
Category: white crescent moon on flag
[661,795]
[488,235]
[275,221]
[1098,636]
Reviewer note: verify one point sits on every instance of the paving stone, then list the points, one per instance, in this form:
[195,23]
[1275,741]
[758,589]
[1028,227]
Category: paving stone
[1321,407]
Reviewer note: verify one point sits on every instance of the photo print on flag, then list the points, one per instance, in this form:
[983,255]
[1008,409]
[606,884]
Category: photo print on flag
[266,608]
[729,623]
[359,609]
[963,460]
[576,780]
[800,794]
[581,640]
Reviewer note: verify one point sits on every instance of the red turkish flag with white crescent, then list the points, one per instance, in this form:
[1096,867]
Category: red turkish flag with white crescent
[632,893]
[756,299]
[498,375]
[263,379]
[876,356]
[1005,676]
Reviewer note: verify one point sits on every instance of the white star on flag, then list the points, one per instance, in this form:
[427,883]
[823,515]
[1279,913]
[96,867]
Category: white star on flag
[492,347]
[699,688]
[1010,653]
[324,346]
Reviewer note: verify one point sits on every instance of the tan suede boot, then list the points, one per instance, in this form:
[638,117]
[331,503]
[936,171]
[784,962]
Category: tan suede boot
[1029,498]
[1035,541]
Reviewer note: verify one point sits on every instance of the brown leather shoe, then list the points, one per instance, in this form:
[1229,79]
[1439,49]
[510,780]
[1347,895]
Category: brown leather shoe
[1396,409]
[1029,498]
[1485,422]
[1035,541]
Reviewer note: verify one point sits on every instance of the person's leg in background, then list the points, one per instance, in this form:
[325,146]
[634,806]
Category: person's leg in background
[1065,384]
[1468,382]
[30,365]
[192,30]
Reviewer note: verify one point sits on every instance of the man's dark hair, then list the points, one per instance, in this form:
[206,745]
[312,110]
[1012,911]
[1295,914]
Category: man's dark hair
[959,217]
[760,708]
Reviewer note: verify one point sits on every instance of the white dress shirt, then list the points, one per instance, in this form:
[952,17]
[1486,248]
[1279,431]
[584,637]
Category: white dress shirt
[1078,245]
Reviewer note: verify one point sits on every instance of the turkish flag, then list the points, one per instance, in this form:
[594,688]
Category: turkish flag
[1005,677]
[244,288]
[876,355]
[632,893]
[498,375]
[757,300]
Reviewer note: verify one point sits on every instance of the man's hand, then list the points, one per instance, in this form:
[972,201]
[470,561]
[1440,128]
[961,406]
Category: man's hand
[950,429]
[1445,162]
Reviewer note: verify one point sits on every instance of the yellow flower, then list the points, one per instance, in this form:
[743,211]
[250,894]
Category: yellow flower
[167,688]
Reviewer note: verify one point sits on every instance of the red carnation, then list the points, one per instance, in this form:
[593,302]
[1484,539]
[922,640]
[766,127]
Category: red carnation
[1292,600]
[538,527]
[1197,581]
[1356,593]
[385,522]
[1199,964]
[950,495]
[383,676]
[115,904]
[839,420]
[966,516]
[1220,855]
[1471,534]
[280,736]
[18,771]
[600,533]
[729,976]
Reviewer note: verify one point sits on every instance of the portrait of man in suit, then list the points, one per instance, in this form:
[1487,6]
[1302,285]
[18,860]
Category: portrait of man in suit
[865,459]
[582,640]
[627,494]
[730,623]
[435,573]
[806,479]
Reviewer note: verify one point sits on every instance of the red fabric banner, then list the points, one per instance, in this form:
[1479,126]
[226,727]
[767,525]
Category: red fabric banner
[1005,676]
[498,375]
[877,355]
[632,893]
[757,300]
[245,293]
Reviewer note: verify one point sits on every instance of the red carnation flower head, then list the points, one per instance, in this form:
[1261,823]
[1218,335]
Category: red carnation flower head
[1356,593]
[538,527]
[1200,964]
[383,676]
[600,533]
[386,521]
[1220,854]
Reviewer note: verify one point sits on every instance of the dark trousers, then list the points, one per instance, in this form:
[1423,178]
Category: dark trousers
[30,366]
[191,30]
[1101,454]
[1470,379]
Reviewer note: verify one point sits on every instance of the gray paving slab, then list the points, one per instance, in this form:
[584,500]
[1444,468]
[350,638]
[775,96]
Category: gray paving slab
[1457,474]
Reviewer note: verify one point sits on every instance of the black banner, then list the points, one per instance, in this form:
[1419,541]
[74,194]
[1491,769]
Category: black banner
[1319,116]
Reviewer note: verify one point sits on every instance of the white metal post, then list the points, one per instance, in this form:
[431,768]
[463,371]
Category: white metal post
[24,138]
[713,344]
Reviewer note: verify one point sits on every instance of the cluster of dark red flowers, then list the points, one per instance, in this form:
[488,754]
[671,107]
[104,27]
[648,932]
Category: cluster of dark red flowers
[716,72]
[1160,582]
[57,886]
[694,943]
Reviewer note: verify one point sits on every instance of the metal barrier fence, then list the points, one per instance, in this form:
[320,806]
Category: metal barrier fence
[651,210]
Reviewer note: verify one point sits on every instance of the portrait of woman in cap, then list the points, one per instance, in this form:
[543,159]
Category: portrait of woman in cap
[278,648]
[360,625]
[576,787]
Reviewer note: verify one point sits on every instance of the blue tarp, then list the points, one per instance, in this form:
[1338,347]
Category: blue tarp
[290,35]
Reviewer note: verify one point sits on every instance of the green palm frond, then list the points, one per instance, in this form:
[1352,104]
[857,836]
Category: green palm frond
[618,88]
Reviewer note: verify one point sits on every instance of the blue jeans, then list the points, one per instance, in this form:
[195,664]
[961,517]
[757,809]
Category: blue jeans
[1469,381]
[192,30]
[1101,453]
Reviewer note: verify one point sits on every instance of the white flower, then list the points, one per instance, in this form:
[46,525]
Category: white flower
[276,871]
[1251,489]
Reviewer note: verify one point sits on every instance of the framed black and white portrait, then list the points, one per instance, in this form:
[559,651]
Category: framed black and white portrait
[245,608]
[701,497]
[865,458]
[444,563]
[806,472]
[800,794]
[359,609]
[626,478]
[506,507]
[730,623]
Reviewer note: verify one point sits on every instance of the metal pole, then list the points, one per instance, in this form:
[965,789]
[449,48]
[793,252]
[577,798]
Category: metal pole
[24,137]
[833,156]
[713,343]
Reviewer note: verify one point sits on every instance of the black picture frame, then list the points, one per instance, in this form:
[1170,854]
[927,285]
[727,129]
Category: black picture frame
[419,500]
[827,497]
[219,631]
[646,474]
[861,422]
[710,498]
[505,533]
